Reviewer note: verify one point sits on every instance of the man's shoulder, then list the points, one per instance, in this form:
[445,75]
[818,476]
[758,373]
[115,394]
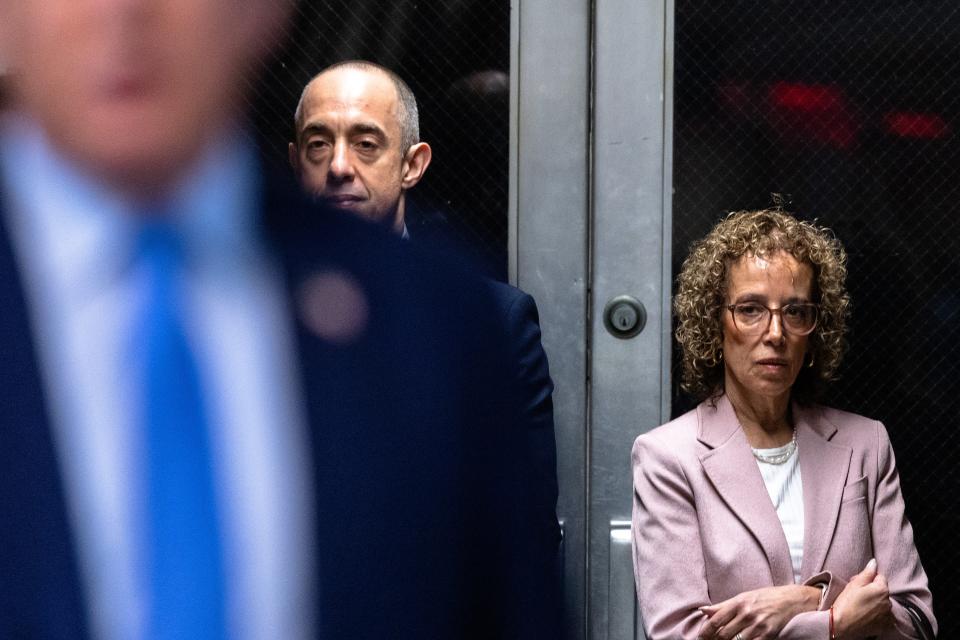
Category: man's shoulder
[510,300]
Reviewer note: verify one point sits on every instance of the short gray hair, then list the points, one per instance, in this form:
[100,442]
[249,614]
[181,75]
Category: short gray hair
[408,118]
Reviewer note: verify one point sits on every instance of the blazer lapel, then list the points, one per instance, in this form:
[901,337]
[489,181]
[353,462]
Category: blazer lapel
[823,469]
[732,469]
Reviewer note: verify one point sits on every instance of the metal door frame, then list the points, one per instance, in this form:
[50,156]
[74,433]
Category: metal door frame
[590,218]
[549,237]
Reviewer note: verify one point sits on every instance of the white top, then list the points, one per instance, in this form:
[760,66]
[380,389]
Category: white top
[73,241]
[786,492]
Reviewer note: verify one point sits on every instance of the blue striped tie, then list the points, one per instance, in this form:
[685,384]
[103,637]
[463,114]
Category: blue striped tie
[182,541]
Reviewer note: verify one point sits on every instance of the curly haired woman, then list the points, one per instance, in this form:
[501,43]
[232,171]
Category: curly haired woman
[761,514]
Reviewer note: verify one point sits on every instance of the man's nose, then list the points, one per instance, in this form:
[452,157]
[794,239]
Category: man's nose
[341,165]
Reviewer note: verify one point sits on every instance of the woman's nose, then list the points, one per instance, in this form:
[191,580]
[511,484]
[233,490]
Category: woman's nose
[774,331]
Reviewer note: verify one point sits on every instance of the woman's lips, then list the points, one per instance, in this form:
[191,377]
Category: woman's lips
[772,364]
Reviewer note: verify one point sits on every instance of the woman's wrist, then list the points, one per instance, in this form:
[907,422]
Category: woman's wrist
[812,596]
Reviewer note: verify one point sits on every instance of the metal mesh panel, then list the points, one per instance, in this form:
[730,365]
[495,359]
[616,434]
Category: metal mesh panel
[455,55]
[852,109]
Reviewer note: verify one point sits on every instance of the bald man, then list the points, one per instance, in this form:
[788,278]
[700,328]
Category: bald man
[224,413]
[357,149]
[357,144]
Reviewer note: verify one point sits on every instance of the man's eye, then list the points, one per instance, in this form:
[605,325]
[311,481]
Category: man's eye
[367,145]
[314,145]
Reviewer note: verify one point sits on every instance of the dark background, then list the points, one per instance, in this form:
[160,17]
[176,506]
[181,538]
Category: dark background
[455,55]
[848,108]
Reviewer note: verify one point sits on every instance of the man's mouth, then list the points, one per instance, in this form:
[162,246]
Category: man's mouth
[341,200]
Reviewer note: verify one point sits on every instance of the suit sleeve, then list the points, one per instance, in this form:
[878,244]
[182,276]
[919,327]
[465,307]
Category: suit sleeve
[668,559]
[815,625]
[893,545]
[536,581]
[896,555]
[535,404]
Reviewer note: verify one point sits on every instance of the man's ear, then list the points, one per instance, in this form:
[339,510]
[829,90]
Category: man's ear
[293,155]
[415,164]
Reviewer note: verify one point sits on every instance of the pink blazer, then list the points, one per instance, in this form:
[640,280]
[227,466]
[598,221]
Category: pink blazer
[704,528]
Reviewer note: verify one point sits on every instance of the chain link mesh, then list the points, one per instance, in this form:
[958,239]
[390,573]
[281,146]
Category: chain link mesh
[455,55]
[851,109]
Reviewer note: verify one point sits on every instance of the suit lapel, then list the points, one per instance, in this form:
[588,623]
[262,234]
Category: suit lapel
[823,468]
[41,585]
[732,469]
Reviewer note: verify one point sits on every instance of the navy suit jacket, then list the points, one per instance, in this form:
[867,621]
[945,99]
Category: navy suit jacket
[517,314]
[432,516]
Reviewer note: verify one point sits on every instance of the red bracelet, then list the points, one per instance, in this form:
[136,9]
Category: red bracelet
[833,635]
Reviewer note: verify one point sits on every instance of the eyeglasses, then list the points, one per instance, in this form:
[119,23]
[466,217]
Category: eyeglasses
[798,319]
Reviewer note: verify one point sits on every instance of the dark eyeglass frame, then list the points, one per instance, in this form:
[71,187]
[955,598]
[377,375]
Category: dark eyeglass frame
[764,324]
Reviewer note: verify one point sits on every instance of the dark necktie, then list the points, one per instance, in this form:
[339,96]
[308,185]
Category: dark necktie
[182,542]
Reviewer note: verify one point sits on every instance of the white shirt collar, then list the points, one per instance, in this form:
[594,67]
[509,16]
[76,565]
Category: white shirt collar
[89,227]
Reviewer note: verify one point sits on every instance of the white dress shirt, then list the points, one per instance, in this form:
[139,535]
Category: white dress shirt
[73,240]
[785,487]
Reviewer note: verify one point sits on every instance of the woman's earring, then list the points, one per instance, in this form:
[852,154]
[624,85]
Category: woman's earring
[810,364]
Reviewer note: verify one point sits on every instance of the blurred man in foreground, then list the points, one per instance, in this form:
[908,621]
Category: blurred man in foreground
[222,414]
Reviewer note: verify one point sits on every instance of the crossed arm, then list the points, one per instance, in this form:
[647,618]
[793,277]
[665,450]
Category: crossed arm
[671,578]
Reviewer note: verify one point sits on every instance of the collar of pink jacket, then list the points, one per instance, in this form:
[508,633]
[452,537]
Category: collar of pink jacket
[729,454]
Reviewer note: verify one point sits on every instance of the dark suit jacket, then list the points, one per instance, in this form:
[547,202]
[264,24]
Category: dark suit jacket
[516,315]
[430,518]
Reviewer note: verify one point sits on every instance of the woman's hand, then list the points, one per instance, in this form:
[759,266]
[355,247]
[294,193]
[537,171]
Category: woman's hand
[863,607]
[759,614]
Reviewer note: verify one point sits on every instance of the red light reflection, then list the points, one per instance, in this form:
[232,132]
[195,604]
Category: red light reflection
[818,113]
[921,126]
